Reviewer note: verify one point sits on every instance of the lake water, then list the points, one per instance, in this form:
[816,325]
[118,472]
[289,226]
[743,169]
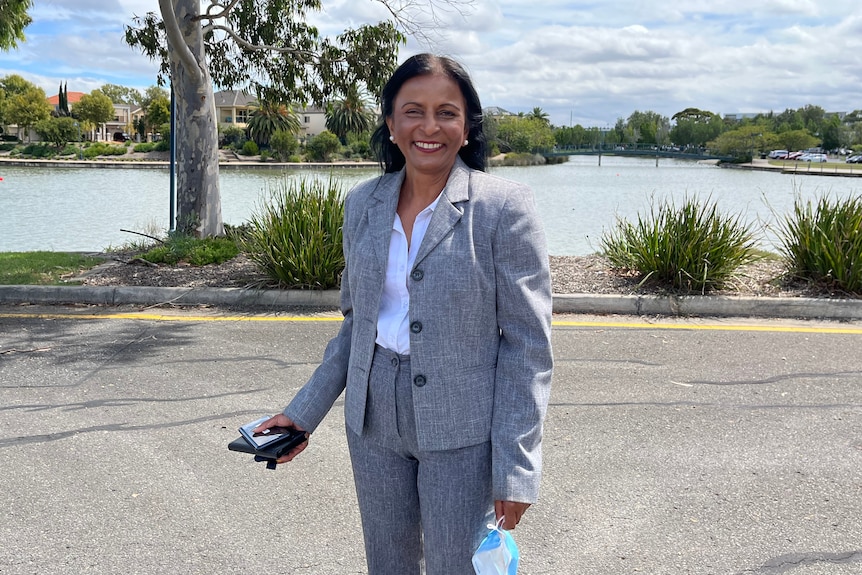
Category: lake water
[71,209]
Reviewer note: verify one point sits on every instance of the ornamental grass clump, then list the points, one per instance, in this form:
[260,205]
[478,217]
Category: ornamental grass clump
[295,238]
[823,244]
[690,248]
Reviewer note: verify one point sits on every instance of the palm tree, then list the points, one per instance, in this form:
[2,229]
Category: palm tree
[267,118]
[539,114]
[349,115]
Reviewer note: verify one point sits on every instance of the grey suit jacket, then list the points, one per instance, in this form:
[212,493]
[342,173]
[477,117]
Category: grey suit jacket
[480,331]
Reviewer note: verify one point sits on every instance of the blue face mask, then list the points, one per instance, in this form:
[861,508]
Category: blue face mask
[497,554]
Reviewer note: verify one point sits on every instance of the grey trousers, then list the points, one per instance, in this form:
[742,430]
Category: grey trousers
[415,504]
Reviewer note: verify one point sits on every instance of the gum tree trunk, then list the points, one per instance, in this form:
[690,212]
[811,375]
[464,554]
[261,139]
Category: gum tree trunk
[197,176]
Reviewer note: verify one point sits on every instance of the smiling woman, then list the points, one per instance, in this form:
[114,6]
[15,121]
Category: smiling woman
[467,394]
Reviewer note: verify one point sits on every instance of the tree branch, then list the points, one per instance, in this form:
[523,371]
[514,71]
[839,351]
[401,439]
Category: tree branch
[177,42]
[406,14]
[305,55]
[223,14]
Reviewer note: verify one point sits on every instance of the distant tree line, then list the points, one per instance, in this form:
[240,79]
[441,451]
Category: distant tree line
[791,129]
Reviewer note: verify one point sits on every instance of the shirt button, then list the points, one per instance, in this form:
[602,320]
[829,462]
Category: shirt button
[416,326]
[417,275]
[394,362]
[419,381]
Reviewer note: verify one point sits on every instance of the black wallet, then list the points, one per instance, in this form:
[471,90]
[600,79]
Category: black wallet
[287,439]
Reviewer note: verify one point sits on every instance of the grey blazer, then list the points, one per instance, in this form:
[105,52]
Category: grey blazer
[480,331]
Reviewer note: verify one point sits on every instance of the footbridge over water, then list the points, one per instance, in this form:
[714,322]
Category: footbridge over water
[640,151]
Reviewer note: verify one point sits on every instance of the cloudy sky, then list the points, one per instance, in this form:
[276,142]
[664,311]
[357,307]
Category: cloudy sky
[588,62]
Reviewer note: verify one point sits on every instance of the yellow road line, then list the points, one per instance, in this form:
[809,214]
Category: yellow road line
[711,327]
[337,318]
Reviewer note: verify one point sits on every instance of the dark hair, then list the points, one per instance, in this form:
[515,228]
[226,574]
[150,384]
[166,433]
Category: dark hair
[390,157]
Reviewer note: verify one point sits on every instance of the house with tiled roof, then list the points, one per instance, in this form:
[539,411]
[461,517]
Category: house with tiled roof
[234,107]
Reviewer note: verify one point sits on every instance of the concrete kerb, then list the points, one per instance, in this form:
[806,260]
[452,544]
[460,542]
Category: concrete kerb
[634,305]
[127,295]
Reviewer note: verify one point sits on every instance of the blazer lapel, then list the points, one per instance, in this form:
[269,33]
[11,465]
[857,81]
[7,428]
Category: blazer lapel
[447,213]
[381,215]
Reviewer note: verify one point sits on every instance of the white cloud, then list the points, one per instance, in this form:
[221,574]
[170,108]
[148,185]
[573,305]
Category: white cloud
[584,60]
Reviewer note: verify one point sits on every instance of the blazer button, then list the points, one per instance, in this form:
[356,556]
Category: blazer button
[417,275]
[419,381]
[416,327]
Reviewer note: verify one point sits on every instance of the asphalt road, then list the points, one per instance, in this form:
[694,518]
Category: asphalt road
[680,447]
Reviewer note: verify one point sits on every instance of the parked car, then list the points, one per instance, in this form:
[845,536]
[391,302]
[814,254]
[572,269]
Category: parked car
[778,154]
[813,158]
[121,137]
[857,159]
[793,155]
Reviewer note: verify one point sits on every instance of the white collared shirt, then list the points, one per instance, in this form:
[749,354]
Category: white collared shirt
[393,323]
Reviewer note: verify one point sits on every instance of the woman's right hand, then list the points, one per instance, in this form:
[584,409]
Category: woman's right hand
[282,420]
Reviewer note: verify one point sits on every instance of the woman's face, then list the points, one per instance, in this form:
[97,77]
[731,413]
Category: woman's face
[429,123]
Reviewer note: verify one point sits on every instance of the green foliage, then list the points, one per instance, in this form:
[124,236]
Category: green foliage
[796,140]
[94,107]
[649,128]
[824,243]
[296,238]
[741,143]
[524,134]
[26,108]
[283,144]
[268,118]
[539,114]
[522,159]
[103,149]
[121,94]
[144,147]
[232,137]
[13,20]
[691,248]
[321,147]
[39,150]
[163,145]
[158,112]
[40,268]
[195,251]
[695,127]
[308,68]
[349,115]
[8,147]
[250,149]
[58,131]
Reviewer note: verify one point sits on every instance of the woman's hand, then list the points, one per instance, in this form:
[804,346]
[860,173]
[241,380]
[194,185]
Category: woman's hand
[511,510]
[282,420]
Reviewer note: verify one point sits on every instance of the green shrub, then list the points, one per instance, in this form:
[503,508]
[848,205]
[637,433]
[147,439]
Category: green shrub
[250,149]
[163,145]
[283,144]
[295,238]
[322,146]
[38,151]
[232,137]
[824,244]
[691,248]
[195,251]
[102,149]
[8,147]
[144,147]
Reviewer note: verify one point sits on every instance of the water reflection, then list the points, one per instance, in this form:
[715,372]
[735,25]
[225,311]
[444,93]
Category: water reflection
[85,209]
